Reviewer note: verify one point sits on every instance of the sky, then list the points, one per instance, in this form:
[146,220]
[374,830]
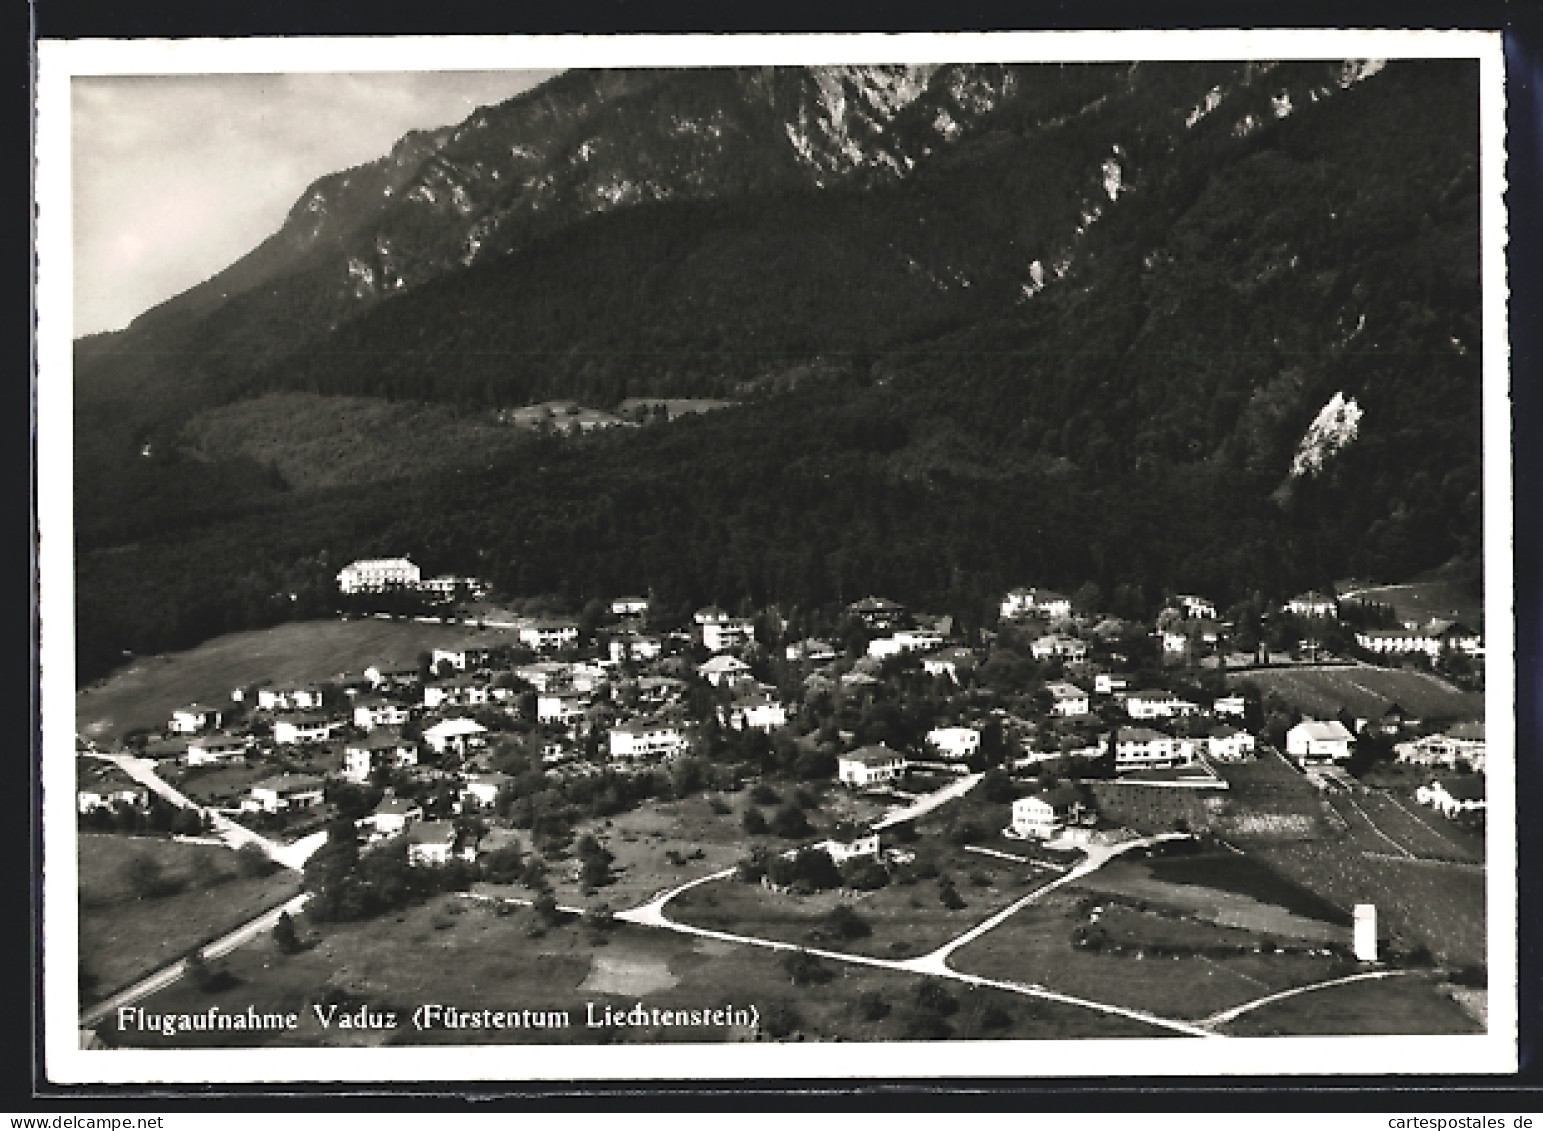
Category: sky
[176,177]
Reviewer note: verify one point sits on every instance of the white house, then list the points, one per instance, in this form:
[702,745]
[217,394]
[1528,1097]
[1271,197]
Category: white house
[646,738]
[1229,744]
[371,711]
[1057,645]
[1067,699]
[431,844]
[455,735]
[635,646]
[711,614]
[447,586]
[484,788]
[1041,816]
[383,746]
[1231,705]
[1106,684]
[1194,606]
[725,635]
[102,785]
[815,651]
[393,673]
[462,657]
[1453,795]
[955,744]
[302,727]
[1311,741]
[561,708]
[207,749]
[1140,748]
[852,845]
[457,691]
[629,606]
[549,636]
[370,575]
[879,613]
[754,712]
[724,671]
[1157,705]
[949,662]
[870,765]
[1313,604]
[195,717]
[1459,744]
[285,792]
[1035,603]
[306,698]
[391,816]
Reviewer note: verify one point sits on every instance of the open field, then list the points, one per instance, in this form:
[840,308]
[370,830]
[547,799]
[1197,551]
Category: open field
[145,692]
[1365,691]
[1269,798]
[325,441]
[475,955]
[1364,813]
[126,932]
[1036,946]
[1422,600]
[1410,1005]
[906,919]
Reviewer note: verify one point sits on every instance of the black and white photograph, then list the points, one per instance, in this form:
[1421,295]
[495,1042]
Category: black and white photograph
[649,557]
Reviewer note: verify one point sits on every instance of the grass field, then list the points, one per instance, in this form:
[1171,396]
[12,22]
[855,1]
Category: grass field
[467,954]
[1035,946]
[1422,600]
[1365,691]
[322,441]
[1412,1005]
[144,693]
[906,920]
[1399,824]
[125,935]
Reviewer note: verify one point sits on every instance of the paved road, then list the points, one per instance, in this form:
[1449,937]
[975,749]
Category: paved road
[1236,1011]
[167,975]
[929,802]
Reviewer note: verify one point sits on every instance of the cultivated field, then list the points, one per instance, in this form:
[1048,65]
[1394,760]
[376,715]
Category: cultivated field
[128,930]
[472,955]
[1410,1005]
[144,693]
[1364,691]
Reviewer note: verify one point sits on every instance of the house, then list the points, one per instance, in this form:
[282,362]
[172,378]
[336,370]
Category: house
[635,646]
[371,711]
[724,671]
[102,785]
[1229,744]
[1139,748]
[1156,704]
[464,657]
[371,575]
[430,844]
[208,749]
[391,816]
[1106,684]
[1041,816]
[299,727]
[1462,744]
[393,673]
[1311,741]
[727,634]
[545,675]
[1453,795]
[1233,706]
[283,793]
[849,842]
[657,690]
[549,636]
[646,738]
[484,788]
[879,614]
[950,662]
[457,691]
[1198,607]
[307,698]
[384,746]
[1056,645]
[1067,699]
[710,614]
[1313,605]
[815,651]
[954,744]
[1035,603]
[447,587]
[560,708]
[754,712]
[870,765]
[629,606]
[1429,639]
[195,717]
[906,640]
[455,736]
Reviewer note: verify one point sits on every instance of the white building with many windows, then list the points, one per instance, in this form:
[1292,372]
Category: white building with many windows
[371,575]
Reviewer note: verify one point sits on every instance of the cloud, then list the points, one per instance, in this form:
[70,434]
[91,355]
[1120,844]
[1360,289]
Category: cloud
[175,177]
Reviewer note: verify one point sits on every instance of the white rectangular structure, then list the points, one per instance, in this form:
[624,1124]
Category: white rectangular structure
[1366,932]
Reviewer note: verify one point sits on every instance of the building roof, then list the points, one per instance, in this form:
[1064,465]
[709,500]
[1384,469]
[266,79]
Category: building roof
[1318,731]
[301,718]
[1058,797]
[872,755]
[723,665]
[1463,787]
[289,783]
[430,832]
[1063,690]
[454,728]
[381,563]
[1139,734]
[710,613]
[380,738]
[491,777]
[397,806]
[197,709]
[1466,732]
[645,726]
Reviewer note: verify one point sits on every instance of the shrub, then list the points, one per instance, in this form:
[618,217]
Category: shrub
[804,969]
[763,794]
[871,1006]
[790,822]
[949,896]
[755,822]
[847,923]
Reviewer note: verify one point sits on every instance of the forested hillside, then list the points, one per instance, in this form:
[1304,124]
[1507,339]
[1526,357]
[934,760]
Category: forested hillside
[1080,337]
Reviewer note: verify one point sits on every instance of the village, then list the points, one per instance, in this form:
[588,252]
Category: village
[507,762]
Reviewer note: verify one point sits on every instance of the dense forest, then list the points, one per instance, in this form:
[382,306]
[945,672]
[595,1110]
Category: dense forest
[915,419]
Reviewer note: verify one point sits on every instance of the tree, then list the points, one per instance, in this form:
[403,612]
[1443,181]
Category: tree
[847,923]
[804,969]
[789,822]
[285,937]
[754,821]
